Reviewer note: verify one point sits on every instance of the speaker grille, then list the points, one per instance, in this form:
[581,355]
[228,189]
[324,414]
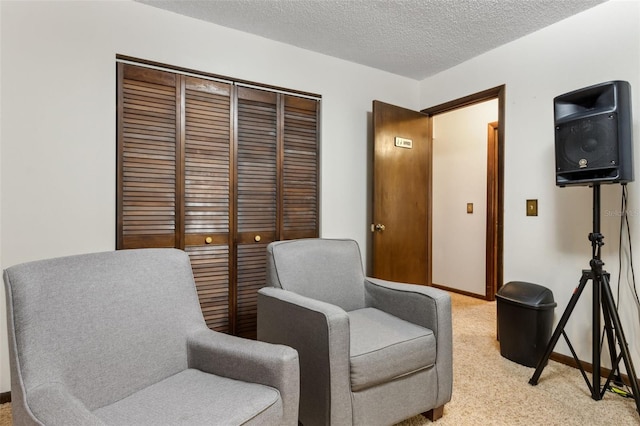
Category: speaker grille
[587,144]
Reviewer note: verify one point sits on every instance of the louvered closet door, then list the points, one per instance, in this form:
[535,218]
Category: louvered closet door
[300,169]
[207,194]
[256,215]
[219,171]
[147,194]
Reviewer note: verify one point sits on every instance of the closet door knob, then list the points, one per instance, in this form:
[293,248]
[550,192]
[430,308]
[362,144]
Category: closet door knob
[208,240]
[257,238]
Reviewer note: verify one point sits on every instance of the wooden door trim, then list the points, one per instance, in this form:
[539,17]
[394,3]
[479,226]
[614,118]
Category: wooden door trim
[429,201]
[485,95]
[492,254]
[226,79]
[119,155]
[497,92]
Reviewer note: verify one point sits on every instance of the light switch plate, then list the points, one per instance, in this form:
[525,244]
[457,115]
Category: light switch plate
[469,208]
[532,207]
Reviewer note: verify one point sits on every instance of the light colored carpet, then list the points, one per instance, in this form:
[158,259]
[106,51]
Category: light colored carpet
[5,415]
[491,390]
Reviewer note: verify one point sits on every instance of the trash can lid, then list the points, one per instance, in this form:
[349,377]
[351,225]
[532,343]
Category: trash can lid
[527,294]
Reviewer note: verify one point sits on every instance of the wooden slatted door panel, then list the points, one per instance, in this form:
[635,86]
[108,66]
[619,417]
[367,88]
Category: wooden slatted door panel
[256,213]
[300,168]
[251,278]
[207,194]
[147,129]
[210,266]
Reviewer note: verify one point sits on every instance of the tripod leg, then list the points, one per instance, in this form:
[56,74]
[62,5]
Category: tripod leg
[580,367]
[615,374]
[560,328]
[595,331]
[624,348]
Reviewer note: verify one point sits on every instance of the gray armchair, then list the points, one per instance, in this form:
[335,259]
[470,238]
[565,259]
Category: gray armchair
[372,352]
[118,338]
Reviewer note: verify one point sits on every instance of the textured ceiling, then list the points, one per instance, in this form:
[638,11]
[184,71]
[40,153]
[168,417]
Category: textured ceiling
[413,38]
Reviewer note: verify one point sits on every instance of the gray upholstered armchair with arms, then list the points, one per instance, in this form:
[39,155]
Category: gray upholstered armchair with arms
[372,352]
[118,338]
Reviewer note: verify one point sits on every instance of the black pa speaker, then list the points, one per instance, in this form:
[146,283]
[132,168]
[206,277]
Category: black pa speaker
[593,135]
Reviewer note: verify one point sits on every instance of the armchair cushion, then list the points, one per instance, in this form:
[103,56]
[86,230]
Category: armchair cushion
[203,399]
[379,339]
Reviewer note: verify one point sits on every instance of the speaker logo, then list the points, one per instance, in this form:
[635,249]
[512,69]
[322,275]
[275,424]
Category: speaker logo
[582,163]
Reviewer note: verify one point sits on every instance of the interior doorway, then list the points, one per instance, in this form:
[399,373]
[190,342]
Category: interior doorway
[493,203]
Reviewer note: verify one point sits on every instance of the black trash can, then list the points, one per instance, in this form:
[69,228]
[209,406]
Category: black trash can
[525,318]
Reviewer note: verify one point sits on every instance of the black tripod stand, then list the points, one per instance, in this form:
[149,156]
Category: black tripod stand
[602,298]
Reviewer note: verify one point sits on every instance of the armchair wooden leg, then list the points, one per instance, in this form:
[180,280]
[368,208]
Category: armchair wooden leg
[435,413]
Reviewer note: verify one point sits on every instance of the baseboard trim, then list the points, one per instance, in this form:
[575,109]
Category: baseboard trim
[5,397]
[588,367]
[462,292]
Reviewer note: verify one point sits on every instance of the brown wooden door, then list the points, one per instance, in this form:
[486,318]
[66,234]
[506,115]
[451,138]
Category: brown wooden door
[256,195]
[276,186]
[401,198]
[206,202]
[174,157]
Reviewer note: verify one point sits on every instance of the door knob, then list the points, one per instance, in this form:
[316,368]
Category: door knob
[379,227]
[257,238]
[208,240]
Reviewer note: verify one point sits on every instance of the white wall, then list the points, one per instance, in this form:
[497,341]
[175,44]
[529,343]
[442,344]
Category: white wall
[460,177]
[4,364]
[57,140]
[598,45]
[58,123]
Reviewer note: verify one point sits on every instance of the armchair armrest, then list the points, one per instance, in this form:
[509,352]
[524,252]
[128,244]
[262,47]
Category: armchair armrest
[425,306]
[250,361]
[418,304]
[319,331]
[51,404]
